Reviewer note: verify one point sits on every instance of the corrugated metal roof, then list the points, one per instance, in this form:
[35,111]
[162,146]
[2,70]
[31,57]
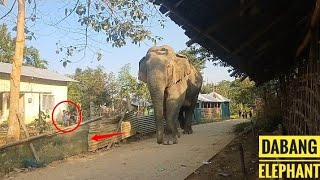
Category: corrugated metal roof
[212,97]
[219,96]
[36,73]
[208,98]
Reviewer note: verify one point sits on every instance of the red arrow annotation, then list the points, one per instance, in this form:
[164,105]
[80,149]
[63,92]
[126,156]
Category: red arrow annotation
[103,136]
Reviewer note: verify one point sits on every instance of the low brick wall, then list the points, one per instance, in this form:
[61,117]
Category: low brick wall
[210,113]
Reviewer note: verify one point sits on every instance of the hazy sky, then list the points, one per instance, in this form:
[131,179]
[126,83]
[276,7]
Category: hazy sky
[47,35]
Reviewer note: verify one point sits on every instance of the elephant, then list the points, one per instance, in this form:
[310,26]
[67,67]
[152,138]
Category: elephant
[174,85]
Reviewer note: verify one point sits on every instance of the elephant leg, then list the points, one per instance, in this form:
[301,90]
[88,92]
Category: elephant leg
[181,118]
[176,128]
[188,117]
[188,121]
[173,105]
[171,131]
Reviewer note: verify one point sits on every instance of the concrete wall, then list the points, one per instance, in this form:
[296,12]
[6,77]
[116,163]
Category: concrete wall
[30,98]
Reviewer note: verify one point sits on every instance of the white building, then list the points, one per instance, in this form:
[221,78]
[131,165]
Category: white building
[40,89]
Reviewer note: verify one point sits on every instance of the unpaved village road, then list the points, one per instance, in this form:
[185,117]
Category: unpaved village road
[144,159]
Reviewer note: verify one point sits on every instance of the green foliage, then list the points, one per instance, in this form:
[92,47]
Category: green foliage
[269,116]
[142,91]
[242,94]
[32,58]
[7,45]
[105,89]
[204,54]
[119,21]
[91,87]
[207,88]
[238,128]
[223,88]
[194,57]
[130,86]
[41,124]
[127,83]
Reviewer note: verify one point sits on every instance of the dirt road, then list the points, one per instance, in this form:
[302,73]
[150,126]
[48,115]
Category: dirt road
[143,160]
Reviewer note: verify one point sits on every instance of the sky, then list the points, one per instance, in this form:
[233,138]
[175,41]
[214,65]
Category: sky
[67,33]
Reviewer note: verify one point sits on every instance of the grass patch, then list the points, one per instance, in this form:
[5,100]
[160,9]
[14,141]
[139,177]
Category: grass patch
[49,149]
[268,123]
[238,128]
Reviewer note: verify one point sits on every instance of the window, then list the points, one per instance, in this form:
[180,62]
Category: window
[47,102]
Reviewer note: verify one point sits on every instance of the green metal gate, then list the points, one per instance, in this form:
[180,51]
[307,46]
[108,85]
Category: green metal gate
[196,119]
[225,110]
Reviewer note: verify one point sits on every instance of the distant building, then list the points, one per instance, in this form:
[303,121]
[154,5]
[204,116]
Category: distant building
[213,106]
[40,89]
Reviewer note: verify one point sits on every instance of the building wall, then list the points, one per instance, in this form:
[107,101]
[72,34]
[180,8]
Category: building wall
[211,113]
[30,100]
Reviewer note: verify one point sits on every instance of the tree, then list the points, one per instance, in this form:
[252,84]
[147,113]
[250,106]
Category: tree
[207,88]
[32,58]
[6,44]
[127,83]
[242,94]
[13,123]
[142,93]
[31,55]
[92,87]
[129,86]
[194,59]
[112,89]
[119,20]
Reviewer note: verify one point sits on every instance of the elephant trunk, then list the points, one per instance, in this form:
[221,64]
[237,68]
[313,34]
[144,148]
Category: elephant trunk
[157,96]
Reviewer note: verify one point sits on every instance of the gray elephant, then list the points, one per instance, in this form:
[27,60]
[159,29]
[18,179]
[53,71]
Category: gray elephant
[174,85]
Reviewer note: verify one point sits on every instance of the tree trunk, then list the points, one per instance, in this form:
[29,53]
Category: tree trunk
[13,123]
[129,103]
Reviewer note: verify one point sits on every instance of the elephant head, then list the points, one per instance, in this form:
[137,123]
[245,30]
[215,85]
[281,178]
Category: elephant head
[175,65]
[161,68]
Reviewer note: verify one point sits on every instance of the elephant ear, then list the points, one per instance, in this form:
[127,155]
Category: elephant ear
[181,67]
[142,76]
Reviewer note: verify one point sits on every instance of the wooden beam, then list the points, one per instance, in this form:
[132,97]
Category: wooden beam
[178,3]
[243,78]
[171,9]
[34,152]
[234,72]
[247,6]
